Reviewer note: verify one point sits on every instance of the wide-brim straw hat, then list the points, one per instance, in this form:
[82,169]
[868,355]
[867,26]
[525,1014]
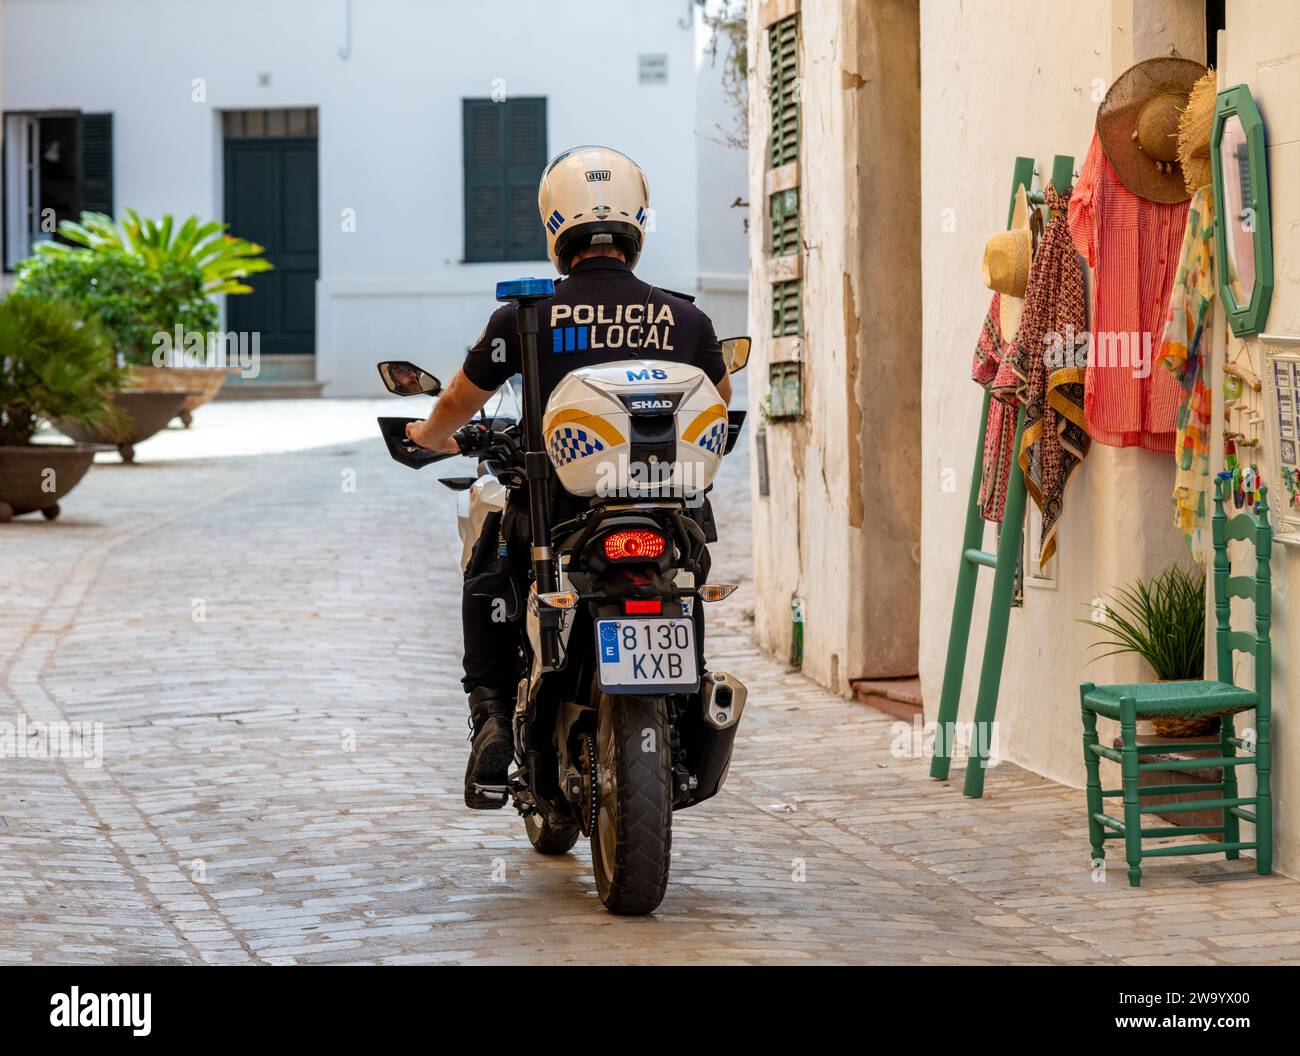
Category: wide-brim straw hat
[1194,126]
[1005,268]
[1138,121]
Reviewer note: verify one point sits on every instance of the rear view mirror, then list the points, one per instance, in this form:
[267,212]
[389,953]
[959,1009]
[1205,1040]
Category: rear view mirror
[735,353]
[403,378]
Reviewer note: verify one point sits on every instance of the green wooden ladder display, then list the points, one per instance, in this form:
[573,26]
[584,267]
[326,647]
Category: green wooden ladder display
[974,557]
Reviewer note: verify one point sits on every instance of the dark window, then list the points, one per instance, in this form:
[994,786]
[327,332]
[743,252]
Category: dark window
[1215,20]
[505,153]
[299,123]
[57,166]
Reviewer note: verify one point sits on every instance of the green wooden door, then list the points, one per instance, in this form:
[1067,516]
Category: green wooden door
[271,198]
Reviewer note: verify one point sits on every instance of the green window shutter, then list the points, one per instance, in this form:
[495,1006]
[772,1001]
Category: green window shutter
[526,160]
[484,180]
[95,163]
[783,48]
[787,308]
[785,389]
[505,153]
[783,208]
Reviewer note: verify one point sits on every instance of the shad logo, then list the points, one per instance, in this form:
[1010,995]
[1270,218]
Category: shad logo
[650,402]
[76,1009]
[598,175]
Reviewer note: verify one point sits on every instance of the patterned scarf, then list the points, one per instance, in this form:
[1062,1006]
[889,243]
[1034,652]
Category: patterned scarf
[990,370]
[1182,352]
[1049,366]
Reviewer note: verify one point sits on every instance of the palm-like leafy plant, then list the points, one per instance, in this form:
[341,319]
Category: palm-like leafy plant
[224,260]
[1162,620]
[53,364]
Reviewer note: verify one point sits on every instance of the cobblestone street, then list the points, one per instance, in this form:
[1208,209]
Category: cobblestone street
[274,657]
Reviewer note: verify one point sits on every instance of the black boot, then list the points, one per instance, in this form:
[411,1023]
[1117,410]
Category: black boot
[493,749]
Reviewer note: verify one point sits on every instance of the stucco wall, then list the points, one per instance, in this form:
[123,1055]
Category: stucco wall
[1261,48]
[390,134]
[995,85]
[839,529]
[721,180]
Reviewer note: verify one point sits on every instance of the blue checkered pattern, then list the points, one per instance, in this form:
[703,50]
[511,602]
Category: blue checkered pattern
[569,443]
[715,437]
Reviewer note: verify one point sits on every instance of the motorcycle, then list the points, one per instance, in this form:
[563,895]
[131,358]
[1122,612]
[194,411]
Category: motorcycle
[616,724]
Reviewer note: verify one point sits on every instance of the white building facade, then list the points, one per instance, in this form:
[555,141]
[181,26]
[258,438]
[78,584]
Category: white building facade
[385,151]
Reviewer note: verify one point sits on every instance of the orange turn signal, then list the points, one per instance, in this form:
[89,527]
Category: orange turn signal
[716,591]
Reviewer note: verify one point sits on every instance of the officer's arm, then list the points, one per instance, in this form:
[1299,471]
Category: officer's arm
[459,402]
[724,388]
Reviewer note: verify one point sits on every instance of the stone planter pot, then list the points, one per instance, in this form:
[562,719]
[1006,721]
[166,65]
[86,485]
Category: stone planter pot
[148,413]
[200,384]
[24,476]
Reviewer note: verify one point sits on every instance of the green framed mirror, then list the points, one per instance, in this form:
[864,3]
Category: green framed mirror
[1244,238]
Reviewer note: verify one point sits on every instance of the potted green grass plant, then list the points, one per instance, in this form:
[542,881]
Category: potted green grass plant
[53,364]
[1162,620]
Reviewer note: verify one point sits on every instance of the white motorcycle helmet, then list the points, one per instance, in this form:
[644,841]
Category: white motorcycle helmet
[592,196]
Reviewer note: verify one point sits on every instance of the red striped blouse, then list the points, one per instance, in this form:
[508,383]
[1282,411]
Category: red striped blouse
[1133,246]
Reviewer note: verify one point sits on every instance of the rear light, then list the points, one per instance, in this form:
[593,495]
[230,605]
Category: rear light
[633,543]
[643,607]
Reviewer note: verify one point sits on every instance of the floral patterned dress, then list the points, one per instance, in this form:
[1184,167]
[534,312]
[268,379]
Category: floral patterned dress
[1182,352]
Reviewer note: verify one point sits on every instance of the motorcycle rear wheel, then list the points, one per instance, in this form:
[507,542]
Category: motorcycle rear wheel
[631,847]
[550,839]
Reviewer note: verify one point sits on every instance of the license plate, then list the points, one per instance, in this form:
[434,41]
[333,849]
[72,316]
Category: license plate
[640,655]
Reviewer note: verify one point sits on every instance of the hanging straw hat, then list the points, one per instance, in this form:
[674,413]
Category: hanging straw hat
[1007,256]
[1194,133]
[1138,126]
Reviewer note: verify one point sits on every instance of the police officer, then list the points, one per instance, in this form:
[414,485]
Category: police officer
[595,203]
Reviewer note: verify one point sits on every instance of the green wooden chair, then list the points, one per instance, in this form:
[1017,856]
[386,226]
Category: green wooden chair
[1128,703]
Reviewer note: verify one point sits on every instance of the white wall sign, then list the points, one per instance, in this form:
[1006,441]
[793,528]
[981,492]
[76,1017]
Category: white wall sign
[652,69]
[1282,398]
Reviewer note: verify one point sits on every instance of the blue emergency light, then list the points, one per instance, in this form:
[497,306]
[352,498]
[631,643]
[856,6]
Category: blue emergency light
[524,289]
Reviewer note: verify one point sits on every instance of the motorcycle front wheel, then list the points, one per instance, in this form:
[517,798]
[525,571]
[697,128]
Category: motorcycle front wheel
[632,841]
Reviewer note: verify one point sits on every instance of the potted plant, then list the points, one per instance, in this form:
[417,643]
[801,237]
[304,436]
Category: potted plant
[53,364]
[223,262]
[134,302]
[1163,621]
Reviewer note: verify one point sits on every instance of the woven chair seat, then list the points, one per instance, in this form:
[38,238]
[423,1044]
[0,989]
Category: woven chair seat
[1171,699]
